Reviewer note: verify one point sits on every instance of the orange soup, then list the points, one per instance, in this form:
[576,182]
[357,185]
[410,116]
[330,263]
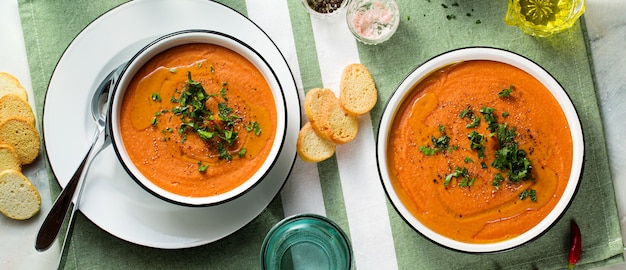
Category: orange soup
[198,120]
[480,152]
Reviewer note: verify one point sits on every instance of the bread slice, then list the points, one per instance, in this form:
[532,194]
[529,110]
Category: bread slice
[8,158]
[311,147]
[10,84]
[19,133]
[327,118]
[13,105]
[314,103]
[342,126]
[357,90]
[19,198]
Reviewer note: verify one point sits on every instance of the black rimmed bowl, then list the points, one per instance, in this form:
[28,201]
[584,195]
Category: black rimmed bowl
[404,91]
[170,41]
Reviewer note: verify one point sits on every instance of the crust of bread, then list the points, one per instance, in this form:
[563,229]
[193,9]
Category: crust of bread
[10,84]
[8,158]
[19,133]
[13,105]
[357,90]
[311,147]
[19,199]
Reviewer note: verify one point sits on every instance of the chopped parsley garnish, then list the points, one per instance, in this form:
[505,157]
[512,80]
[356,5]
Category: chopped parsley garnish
[466,112]
[242,152]
[497,179]
[254,126]
[223,152]
[528,193]
[487,113]
[477,142]
[470,114]
[506,92]
[218,129]
[427,151]
[202,167]
[462,173]
[510,161]
[510,157]
[440,144]
[156,96]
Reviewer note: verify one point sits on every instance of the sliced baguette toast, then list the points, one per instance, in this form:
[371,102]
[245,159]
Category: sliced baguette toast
[311,147]
[19,133]
[13,105]
[8,158]
[327,118]
[19,199]
[314,105]
[357,90]
[10,84]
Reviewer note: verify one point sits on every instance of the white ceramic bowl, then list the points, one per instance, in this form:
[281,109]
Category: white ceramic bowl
[481,53]
[172,40]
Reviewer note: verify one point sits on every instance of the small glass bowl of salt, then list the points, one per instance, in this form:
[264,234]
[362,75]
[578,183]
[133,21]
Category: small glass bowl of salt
[372,21]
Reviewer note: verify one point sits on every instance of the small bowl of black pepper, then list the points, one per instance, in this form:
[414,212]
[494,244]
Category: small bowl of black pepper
[324,8]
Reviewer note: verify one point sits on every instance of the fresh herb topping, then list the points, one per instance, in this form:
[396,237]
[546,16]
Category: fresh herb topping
[440,144]
[196,117]
[462,173]
[531,193]
[202,167]
[242,152]
[497,179]
[254,126]
[487,113]
[506,92]
[512,163]
[156,96]
[470,114]
[477,142]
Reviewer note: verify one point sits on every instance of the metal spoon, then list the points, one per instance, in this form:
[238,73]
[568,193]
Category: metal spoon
[52,224]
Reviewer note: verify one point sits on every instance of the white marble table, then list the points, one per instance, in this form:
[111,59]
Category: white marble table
[606,26]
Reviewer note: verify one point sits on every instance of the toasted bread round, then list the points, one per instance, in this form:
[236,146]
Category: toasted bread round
[314,103]
[8,158]
[311,147]
[10,84]
[357,90]
[342,126]
[328,118]
[19,199]
[19,133]
[13,105]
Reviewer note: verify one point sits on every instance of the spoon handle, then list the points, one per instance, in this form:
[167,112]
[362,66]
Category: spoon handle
[52,224]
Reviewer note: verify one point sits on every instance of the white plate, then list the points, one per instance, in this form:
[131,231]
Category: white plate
[111,199]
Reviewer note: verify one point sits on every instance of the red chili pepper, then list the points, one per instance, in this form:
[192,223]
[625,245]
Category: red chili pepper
[574,250]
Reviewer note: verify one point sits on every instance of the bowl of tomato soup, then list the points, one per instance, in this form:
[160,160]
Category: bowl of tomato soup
[480,150]
[197,118]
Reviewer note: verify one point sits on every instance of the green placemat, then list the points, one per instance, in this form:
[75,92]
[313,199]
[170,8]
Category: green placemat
[426,29]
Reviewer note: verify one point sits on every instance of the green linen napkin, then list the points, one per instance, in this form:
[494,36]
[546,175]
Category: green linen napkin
[427,28]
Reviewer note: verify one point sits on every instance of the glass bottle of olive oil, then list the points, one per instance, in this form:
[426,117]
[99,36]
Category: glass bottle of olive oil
[543,18]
